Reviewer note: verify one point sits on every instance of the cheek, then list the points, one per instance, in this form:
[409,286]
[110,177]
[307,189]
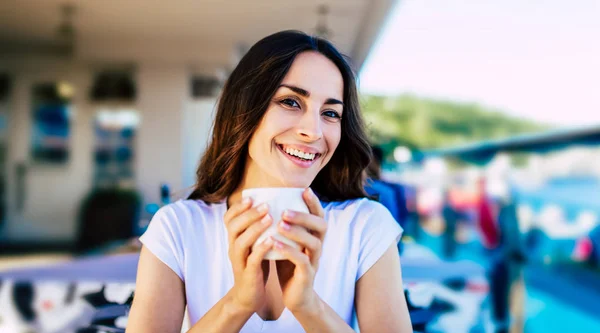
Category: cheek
[252,145]
[256,149]
[274,122]
[334,135]
[259,137]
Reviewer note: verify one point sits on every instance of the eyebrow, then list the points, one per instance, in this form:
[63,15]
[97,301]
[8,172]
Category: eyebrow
[305,93]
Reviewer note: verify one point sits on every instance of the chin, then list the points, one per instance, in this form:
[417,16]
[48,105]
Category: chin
[297,181]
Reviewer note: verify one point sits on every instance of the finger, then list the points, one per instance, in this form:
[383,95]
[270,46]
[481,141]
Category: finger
[308,221]
[313,203]
[303,238]
[244,220]
[300,235]
[237,209]
[246,240]
[298,258]
[257,256]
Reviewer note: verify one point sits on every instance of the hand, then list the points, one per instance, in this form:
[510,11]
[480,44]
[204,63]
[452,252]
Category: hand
[244,226]
[297,273]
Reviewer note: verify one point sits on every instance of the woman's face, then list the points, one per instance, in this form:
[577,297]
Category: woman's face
[301,128]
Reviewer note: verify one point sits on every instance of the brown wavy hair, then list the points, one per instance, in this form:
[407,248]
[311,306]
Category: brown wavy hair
[245,99]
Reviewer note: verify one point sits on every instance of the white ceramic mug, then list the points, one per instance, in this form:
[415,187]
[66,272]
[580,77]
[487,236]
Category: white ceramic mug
[279,199]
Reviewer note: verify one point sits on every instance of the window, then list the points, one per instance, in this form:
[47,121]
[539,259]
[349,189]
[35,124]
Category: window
[114,151]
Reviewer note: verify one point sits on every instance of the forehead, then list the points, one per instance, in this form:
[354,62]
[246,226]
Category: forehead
[314,72]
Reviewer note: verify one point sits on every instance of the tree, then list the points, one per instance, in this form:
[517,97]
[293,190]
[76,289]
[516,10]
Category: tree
[422,123]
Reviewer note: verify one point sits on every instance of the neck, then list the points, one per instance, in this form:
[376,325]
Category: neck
[235,197]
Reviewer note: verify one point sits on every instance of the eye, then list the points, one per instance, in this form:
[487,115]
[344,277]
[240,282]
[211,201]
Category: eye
[334,115]
[290,102]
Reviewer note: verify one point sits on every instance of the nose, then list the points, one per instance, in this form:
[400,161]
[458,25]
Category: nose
[309,127]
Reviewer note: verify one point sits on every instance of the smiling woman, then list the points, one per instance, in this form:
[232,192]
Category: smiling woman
[288,117]
[284,79]
[300,123]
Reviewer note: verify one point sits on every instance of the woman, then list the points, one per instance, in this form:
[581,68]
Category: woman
[290,91]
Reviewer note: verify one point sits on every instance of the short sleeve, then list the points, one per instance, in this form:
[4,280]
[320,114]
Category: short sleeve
[379,232]
[164,238]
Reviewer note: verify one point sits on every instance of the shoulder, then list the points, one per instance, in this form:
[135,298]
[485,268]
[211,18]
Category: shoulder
[182,215]
[366,226]
[183,208]
[356,212]
[361,206]
[177,227]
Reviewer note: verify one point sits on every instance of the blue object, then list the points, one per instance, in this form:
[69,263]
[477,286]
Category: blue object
[385,195]
[401,202]
[165,194]
[152,208]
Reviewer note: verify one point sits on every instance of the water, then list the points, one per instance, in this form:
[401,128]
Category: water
[545,311]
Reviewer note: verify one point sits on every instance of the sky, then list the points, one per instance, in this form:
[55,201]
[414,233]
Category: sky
[533,59]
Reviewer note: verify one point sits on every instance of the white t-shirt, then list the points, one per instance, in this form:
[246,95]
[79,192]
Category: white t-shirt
[190,237]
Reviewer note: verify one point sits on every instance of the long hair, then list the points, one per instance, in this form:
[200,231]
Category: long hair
[245,99]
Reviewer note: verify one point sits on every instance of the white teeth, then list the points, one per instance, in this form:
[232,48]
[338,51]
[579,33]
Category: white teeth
[301,154]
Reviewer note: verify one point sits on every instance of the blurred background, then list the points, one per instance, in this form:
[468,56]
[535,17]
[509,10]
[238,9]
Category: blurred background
[484,116]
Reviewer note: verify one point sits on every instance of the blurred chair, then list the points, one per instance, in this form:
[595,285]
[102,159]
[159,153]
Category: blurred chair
[401,202]
[384,194]
[107,216]
[388,194]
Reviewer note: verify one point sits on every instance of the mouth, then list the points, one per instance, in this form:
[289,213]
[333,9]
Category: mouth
[300,157]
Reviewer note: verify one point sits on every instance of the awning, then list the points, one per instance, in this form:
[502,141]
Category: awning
[483,152]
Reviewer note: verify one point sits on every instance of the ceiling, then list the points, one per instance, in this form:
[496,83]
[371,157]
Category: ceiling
[200,31]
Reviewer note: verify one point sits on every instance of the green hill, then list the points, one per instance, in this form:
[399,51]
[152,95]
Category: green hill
[423,123]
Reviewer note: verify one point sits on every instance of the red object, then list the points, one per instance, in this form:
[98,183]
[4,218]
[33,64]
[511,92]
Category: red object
[487,223]
[47,305]
[583,249]
[463,199]
[478,287]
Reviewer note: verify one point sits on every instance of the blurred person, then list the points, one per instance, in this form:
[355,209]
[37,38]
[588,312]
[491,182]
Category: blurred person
[486,217]
[383,191]
[451,217]
[512,255]
[389,194]
[497,268]
[411,222]
[290,90]
[502,239]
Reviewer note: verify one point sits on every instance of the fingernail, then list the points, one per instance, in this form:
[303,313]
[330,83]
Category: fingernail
[310,191]
[285,226]
[263,208]
[278,245]
[266,219]
[288,214]
[268,241]
[246,201]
